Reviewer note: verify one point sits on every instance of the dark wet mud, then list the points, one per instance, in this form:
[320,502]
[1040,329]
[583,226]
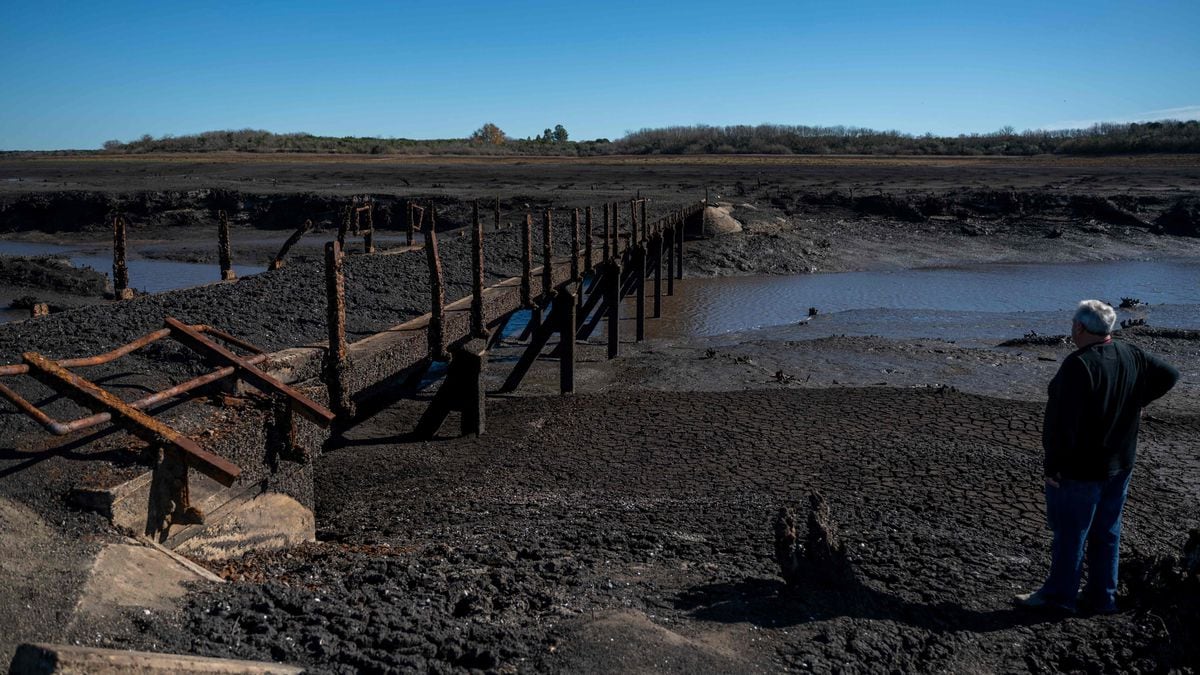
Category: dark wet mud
[514,552]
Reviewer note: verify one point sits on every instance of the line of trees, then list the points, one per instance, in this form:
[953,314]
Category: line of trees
[1100,139]
[487,140]
[1108,138]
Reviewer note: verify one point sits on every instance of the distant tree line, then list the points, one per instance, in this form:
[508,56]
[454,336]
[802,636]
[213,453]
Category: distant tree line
[489,139]
[1100,139]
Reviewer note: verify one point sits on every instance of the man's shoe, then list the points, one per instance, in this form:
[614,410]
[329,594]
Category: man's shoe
[1041,603]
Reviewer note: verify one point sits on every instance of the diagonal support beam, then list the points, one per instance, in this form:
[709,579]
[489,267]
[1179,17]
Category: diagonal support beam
[89,395]
[306,407]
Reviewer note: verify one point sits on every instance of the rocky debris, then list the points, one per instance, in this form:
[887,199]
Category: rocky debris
[1035,339]
[1130,303]
[718,221]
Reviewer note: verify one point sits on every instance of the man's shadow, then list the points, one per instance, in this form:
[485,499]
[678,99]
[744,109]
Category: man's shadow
[772,603]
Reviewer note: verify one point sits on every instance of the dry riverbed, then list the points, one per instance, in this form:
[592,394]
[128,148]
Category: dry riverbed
[628,527]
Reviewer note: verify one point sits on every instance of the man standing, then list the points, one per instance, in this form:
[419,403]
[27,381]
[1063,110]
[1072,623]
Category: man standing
[1090,439]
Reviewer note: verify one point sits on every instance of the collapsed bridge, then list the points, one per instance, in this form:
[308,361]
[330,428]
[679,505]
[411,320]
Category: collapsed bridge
[229,432]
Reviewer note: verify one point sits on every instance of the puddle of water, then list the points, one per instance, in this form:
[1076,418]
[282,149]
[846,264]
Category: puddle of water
[156,276]
[977,302]
[150,276]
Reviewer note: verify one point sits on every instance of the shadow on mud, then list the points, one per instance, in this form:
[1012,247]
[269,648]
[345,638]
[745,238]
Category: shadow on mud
[771,603]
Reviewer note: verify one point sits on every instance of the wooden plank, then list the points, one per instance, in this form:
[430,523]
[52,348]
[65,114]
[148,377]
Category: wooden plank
[91,396]
[47,658]
[308,408]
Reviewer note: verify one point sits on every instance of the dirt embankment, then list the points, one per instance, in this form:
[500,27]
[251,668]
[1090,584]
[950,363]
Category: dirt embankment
[787,233]
[163,213]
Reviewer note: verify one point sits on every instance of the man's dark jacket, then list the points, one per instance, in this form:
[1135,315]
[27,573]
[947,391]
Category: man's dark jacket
[1091,425]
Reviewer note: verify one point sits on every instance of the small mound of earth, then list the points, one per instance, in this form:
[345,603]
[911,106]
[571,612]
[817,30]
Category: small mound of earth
[1182,219]
[718,221]
[52,274]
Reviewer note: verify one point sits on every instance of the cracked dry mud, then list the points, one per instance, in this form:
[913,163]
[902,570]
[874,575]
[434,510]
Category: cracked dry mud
[646,517]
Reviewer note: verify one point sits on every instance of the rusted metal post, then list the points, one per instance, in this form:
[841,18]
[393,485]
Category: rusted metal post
[437,337]
[614,307]
[121,289]
[337,356]
[612,236]
[224,248]
[566,301]
[639,271]
[645,223]
[679,247]
[575,245]
[547,255]
[477,326]
[527,262]
[634,240]
[587,239]
[657,247]
[277,263]
[408,223]
[607,248]
[668,243]
[369,235]
[344,227]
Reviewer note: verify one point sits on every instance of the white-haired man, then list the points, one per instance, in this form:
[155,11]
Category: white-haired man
[1090,440]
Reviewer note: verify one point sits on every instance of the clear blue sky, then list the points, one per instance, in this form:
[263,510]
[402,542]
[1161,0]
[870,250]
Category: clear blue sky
[74,74]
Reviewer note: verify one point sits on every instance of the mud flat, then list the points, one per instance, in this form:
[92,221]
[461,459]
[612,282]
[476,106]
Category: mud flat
[631,531]
[801,214]
[628,527]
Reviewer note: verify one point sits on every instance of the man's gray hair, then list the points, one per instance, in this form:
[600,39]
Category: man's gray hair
[1098,318]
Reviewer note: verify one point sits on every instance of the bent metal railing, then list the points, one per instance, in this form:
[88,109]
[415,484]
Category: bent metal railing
[131,416]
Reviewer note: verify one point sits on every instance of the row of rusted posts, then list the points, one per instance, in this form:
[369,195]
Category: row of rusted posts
[462,389]
[571,309]
[553,311]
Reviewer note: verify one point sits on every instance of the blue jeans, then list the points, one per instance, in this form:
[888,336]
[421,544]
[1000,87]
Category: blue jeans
[1085,513]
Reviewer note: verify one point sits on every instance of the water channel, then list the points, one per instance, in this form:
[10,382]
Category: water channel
[976,303]
[969,303]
